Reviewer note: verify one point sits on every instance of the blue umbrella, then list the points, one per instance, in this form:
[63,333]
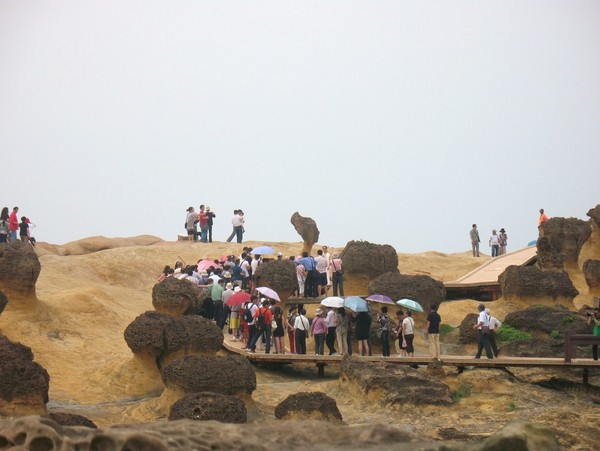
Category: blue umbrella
[263,250]
[532,243]
[356,304]
[410,304]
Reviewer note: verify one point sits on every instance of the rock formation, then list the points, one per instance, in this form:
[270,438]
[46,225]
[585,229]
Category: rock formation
[396,384]
[372,260]
[545,320]
[466,333]
[529,281]
[157,335]
[591,271]
[594,213]
[3,301]
[228,375]
[536,347]
[175,297]
[280,275]
[423,289]
[548,258]
[24,383]
[307,229]
[308,406]
[19,269]
[71,419]
[566,236]
[209,406]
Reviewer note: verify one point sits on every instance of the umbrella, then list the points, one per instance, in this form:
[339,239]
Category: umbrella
[410,304]
[532,243]
[356,304]
[268,293]
[380,298]
[333,301]
[263,250]
[205,264]
[238,298]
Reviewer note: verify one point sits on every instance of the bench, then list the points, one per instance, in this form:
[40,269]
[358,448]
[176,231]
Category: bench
[572,340]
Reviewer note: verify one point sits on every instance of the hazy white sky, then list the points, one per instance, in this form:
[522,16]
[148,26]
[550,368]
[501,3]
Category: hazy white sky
[395,122]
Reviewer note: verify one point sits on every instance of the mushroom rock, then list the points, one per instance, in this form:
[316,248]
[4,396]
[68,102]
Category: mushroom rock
[307,229]
[175,297]
[71,419]
[529,281]
[158,335]
[364,261]
[566,236]
[280,275]
[308,406]
[19,269]
[397,384]
[24,383]
[207,406]
[3,301]
[466,333]
[423,289]
[591,271]
[228,375]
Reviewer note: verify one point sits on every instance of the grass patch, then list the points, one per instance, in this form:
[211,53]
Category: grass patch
[446,329]
[570,318]
[512,407]
[556,335]
[463,391]
[509,333]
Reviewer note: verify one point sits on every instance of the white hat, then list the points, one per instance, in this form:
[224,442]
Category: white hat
[229,286]
[237,288]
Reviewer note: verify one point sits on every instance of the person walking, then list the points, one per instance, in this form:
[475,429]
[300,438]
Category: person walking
[432,331]
[474,235]
[331,322]
[494,325]
[503,241]
[494,243]
[301,328]
[483,333]
[408,332]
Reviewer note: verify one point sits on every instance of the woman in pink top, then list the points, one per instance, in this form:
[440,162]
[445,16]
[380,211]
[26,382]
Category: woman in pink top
[318,329]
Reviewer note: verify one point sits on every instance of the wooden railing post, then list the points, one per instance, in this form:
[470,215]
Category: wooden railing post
[568,347]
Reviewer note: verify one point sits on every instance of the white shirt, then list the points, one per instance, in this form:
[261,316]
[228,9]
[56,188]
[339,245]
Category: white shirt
[407,324]
[302,323]
[254,265]
[321,263]
[237,220]
[494,323]
[484,319]
[494,240]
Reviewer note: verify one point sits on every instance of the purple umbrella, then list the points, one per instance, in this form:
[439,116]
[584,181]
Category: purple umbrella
[380,298]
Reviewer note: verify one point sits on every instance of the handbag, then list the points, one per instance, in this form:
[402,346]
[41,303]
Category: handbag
[273,324]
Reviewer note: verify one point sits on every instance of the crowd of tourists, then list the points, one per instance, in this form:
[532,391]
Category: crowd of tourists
[12,230]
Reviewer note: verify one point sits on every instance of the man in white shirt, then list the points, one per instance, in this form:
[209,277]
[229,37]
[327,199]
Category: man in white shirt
[494,324]
[322,264]
[331,321]
[483,331]
[301,328]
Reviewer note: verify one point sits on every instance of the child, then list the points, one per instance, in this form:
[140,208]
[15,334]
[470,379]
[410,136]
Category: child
[31,226]
[24,229]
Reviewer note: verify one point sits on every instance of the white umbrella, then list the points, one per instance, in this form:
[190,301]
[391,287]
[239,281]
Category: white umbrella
[333,301]
[410,304]
[268,293]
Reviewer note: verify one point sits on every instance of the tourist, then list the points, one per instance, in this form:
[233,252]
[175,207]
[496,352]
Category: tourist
[233,221]
[290,319]
[13,224]
[24,230]
[483,331]
[321,273]
[432,331]
[262,326]
[408,332]
[312,279]
[338,275]
[301,277]
[594,319]
[494,243]
[236,273]
[210,216]
[4,225]
[301,328]
[384,331]
[238,224]
[191,220]
[331,322]
[164,274]
[503,241]
[543,218]
[363,330]
[494,325]
[399,342]
[279,331]
[203,220]
[341,330]
[318,329]
[474,235]
[216,294]
[250,308]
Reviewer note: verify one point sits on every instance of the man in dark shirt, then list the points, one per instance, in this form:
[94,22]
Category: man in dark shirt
[433,331]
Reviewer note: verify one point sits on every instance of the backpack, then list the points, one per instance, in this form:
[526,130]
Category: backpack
[248,313]
[261,322]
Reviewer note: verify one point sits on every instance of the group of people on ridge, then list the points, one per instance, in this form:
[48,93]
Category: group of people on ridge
[10,225]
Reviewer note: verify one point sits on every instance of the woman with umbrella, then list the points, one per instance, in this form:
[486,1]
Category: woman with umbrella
[362,331]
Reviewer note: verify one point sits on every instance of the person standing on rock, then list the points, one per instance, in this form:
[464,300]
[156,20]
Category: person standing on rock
[13,224]
[483,333]
[432,331]
[494,243]
[543,218]
[191,220]
[210,215]
[338,275]
[474,235]
[503,240]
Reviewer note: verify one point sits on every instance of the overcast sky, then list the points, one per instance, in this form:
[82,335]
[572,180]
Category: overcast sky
[396,122]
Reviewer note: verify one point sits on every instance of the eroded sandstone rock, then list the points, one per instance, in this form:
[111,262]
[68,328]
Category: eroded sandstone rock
[423,289]
[307,229]
[19,269]
[548,258]
[24,383]
[520,435]
[536,347]
[372,260]
[397,384]
[175,297]
[280,275]
[207,406]
[3,301]
[466,333]
[71,419]
[594,213]
[539,318]
[591,271]
[308,406]
[229,375]
[160,334]
[566,236]
[529,281]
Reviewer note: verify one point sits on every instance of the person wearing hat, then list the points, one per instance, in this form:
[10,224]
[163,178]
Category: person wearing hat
[318,329]
[209,221]
[191,219]
[483,333]
[279,256]
[232,312]
[502,240]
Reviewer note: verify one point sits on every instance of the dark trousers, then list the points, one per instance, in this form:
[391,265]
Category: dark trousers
[338,284]
[385,342]
[330,340]
[239,231]
[300,337]
[219,313]
[483,341]
[257,334]
[409,343]
[349,341]
[595,352]
[251,332]
[319,343]
[310,286]
[210,233]
[492,337]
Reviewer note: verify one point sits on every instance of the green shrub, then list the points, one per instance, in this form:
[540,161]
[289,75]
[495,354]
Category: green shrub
[512,407]
[509,333]
[555,334]
[446,329]
[463,391]
[568,319]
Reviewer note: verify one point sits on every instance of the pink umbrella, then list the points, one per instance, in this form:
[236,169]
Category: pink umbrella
[205,264]
[238,298]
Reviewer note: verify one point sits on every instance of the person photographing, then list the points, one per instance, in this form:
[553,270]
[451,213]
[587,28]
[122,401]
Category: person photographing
[594,319]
